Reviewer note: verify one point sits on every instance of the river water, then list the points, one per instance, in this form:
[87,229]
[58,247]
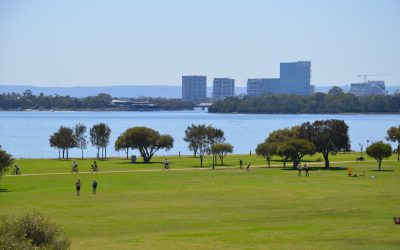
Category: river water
[26,134]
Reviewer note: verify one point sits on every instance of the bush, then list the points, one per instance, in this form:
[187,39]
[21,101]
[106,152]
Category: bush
[32,231]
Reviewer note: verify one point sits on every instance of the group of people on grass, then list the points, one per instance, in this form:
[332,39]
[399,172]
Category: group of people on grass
[305,168]
[241,165]
[78,185]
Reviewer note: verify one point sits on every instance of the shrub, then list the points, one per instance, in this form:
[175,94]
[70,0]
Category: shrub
[32,231]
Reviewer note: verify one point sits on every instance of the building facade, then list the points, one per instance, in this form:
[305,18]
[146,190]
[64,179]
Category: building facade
[368,88]
[194,88]
[295,78]
[260,86]
[222,88]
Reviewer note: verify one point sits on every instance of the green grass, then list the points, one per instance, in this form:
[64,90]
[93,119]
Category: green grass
[227,208]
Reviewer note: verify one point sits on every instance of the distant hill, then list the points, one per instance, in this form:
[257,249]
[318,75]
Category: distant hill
[167,91]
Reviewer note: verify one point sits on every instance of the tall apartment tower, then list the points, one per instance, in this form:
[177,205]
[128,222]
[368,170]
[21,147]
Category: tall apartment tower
[295,78]
[222,88]
[194,88]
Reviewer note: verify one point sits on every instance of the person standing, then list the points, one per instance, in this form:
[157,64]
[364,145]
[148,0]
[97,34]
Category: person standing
[306,169]
[78,187]
[248,166]
[299,169]
[94,185]
[240,163]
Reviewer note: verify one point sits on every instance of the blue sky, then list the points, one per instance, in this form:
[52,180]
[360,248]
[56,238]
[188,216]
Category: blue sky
[71,42]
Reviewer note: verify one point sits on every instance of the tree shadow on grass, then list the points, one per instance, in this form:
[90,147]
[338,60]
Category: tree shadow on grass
[383,170]
[317,168]
[140,163]
[4,190]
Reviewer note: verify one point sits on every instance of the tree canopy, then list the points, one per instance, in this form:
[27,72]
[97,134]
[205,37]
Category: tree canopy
[379,151]
[221,150]
[100,138]
[267,150]
[148,141]
[201,137]
[6,160]
[63,139]
[327,136]
[393,135]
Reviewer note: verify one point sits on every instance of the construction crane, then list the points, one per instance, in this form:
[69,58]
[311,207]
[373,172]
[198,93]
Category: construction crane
[365,76]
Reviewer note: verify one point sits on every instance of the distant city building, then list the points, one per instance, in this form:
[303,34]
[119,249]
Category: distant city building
[222,88]
[194,88]
[259,86]
[295,78]
[368,88]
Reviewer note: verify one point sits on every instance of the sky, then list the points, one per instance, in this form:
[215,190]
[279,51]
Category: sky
[149,42]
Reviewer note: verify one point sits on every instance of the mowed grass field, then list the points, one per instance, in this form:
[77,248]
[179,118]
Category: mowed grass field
[139,206]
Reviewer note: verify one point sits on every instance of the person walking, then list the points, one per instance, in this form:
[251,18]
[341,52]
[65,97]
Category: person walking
[241,164]
[78,187]
[94,185]
[248,166]
[299,169]
[306,169]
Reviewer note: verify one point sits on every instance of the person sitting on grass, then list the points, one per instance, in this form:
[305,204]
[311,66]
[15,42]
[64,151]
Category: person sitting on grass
[396,220]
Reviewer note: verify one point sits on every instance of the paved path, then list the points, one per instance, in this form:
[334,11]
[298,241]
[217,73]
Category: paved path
[177,169]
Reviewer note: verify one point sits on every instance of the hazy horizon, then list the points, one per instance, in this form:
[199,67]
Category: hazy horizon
[111,43]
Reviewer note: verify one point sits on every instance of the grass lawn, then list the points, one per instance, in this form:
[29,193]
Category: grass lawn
[192,208]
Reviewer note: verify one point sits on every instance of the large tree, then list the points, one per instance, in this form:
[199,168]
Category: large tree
[221,150]
[379,151]
[297,148]
[100,138]
[267,150]
[122,144]
[279,137]
[63,139]
[393,135]
[6,160]
[147,141]
[80,137]
[328,136]
[202,137]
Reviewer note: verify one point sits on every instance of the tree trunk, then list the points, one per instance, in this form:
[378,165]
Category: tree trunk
[326,158]
[67,154]
[213,162]
[127,153]
[222,161]
[284,163]
[102,153]
[201,161]
[380,164]
[63,153]
[82,153]
[269,166]
[59,154]
[105,152]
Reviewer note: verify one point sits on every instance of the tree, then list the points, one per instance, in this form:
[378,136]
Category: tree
[297,148]
[147,141]
[122,144]
[31,231]
[63,139]
[6,160]
[80,137]
[267,150]
[100,138]
[328,136]
[335,90]
[221,150]
[202,137]
[379,151]
[279,137]
[393,135]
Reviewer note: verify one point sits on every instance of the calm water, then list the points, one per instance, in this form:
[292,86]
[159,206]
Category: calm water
[26,134]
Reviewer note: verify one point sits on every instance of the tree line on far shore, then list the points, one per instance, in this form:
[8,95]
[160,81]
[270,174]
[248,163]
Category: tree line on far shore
[27,100]
[335,101]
